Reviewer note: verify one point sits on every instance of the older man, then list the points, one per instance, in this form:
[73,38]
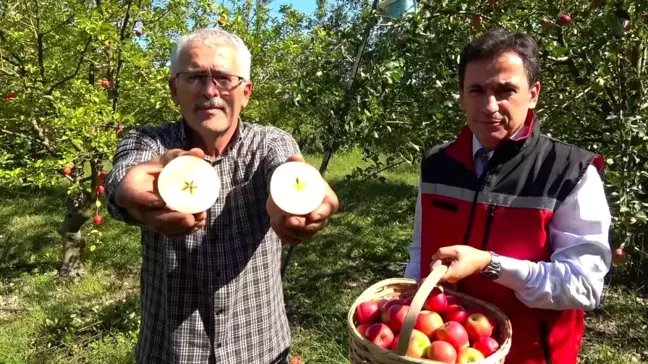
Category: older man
[521,219]
[210,282]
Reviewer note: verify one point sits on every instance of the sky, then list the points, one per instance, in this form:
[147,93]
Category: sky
[305,6]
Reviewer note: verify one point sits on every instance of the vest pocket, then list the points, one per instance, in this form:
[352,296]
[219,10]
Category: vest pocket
[544,338]
[445,205]
[487,228]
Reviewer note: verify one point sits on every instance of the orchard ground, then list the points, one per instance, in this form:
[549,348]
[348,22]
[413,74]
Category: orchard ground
[95,320]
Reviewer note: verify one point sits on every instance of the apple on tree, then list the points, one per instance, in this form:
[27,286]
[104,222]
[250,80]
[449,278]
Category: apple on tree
[297,188]
[97,220]
[189,184]
[565,19]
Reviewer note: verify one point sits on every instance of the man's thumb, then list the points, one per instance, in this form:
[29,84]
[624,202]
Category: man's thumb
[296,158]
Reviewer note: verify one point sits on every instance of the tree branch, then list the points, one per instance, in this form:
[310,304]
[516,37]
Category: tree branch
[42,137]
[39,41]
[76,71]
[65,22]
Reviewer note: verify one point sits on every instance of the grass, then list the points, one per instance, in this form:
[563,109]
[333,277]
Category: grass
[96,320]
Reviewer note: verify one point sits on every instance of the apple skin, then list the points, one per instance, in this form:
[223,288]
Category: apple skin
[368,312]
[486,345]
[619,256]
[385,307]
[97,220]
[428,322]
[478,325]
[436,301]
[105,83]
[565,19]
[380,335]
[455,334]
[362,329]
[417,347]
[469,355]
[67,171]
[396,316]
[442,351]
[456,313]
[453,300]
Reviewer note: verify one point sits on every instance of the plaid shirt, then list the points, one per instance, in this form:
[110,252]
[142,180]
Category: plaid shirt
[214,296]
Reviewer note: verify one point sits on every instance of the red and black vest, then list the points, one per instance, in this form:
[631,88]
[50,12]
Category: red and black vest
[507,210]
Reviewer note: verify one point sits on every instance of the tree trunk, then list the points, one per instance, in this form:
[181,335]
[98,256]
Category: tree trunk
[78,213]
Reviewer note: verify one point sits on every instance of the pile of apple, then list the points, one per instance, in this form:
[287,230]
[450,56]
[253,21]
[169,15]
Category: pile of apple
[444,331]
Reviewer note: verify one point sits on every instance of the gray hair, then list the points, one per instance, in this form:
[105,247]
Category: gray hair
[213,37]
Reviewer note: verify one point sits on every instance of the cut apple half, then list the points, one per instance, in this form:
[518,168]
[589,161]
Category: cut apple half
[189,184]
[297,188]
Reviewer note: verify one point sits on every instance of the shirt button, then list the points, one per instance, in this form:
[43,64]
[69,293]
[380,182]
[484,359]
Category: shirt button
[219,345]
[220,311]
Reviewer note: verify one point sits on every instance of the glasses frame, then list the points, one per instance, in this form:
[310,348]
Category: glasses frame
[203,79]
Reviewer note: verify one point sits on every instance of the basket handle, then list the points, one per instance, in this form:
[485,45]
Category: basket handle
[415,308]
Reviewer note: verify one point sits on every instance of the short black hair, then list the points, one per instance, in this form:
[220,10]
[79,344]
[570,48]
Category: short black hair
[496,42]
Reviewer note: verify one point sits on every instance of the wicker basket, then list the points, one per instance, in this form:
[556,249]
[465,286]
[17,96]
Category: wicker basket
[362,351]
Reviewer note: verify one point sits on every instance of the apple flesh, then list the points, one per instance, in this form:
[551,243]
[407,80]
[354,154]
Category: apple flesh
[442,351]
[189,184]
[297,188]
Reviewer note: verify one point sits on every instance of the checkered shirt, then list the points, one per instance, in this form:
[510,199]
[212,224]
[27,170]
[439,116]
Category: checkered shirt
[214,296]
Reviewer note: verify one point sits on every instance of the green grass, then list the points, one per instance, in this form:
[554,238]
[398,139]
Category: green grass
[95,320]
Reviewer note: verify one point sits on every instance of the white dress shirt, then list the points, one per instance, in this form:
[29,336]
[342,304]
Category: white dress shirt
[578,234]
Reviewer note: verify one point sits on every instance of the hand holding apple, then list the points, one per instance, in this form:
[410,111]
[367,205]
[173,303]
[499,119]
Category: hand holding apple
[303,219]
[462,261]
[137,194]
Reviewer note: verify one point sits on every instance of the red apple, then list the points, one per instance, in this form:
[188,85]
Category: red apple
[477,20]
[619,256]
[455,312]
[486,345]
[138,32]
[469,355]
[368,312]
[101,190]
[418,344]
[295,359]
[385,307]
[396,316]
[442,351]
[380,335]
[453,333]
[67,171]
[105,83]
[565,19]
[97,220]
[102,176]
[453,300]
[428,322]
[408,301]
[436,301]
[478,325]
[10,96]
[362,329]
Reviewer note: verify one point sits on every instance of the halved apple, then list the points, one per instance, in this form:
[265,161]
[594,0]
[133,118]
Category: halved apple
[297,188]
[189,184]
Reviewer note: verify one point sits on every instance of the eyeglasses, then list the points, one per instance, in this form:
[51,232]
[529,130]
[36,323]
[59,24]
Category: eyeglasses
[223,81]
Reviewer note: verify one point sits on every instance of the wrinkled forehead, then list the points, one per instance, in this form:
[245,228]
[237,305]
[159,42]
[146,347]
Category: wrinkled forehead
[196,55]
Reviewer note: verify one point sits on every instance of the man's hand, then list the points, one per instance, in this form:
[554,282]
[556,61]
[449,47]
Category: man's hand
[462,261]
[294,229]
[138,194]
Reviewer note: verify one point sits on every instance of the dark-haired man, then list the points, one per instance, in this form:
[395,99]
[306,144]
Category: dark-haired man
[521,219]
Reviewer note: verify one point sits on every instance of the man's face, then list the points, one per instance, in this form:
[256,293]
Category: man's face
[496,97]
[209,105]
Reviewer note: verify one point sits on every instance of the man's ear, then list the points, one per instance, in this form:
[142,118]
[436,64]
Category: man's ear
[534,94]
[247,92]
[174,91]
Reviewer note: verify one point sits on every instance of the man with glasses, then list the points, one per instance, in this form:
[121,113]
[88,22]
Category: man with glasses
[211,288]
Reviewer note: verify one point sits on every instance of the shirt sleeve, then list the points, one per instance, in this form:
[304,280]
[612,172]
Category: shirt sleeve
[413,268]
[136,147]
[280,146]
[578,232]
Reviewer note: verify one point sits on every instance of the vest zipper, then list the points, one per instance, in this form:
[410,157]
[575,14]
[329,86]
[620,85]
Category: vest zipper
[482,182]
[489,222]
[544,337]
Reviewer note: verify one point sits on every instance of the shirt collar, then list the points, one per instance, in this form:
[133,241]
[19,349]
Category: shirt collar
[476,145]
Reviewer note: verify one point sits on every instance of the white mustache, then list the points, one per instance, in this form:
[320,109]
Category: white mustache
[214,102]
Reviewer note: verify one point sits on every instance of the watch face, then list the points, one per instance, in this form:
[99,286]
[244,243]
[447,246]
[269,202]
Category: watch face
[489,275]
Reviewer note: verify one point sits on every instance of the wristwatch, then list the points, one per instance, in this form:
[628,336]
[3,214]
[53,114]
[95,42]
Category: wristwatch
[492,270]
